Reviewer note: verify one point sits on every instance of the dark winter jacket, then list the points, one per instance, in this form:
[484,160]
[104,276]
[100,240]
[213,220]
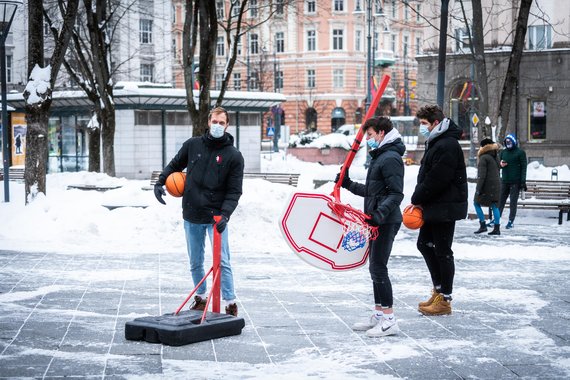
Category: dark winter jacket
[384,188]
[442,180]
[515,170]
[488,181]
[214,177]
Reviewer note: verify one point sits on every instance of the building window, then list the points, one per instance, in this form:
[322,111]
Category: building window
[221,47]
[462,39]
[393,42]
[358,40]
[280,42]
[147,72]
[220,9]
[539,37]
[406,11]
[236,8]
[279,81]
[358,6]
[375,41]
[537,120]
[418,13]
[253,10]
[219,78]
[174,48]
[359,78]
[338,37]
[237,81]
[311,40]
[279,8]
[338,78]
[9,69]
[254,81]
[311,78]
[254,44]
[311,6]
[394,9]
[239,47]
[405,45]
[339,5]
[418,45]
[145,31]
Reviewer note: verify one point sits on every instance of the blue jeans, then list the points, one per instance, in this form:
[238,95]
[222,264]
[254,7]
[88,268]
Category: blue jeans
[481,215]
[195,240]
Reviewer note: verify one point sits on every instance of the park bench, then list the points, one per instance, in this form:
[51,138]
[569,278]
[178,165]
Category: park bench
[291,179]
[15,174]
[546,195]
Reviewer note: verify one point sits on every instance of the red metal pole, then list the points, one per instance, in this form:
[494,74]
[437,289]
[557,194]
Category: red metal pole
[216,260]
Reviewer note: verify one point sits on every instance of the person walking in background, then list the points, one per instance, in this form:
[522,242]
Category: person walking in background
[513,180]
[488,185]
[213,186]
[441,192]
[383,193]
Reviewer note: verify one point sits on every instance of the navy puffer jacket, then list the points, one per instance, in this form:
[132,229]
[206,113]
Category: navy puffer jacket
[214,177]
[384,188]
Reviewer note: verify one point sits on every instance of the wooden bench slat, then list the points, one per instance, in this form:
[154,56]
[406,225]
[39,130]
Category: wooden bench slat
[546,195]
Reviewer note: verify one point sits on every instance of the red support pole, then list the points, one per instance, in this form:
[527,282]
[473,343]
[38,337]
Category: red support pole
[216,260]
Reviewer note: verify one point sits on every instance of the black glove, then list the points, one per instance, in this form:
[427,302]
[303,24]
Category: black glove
[374,219]
[523,186]
[222,224]
[159,193]
[346,181]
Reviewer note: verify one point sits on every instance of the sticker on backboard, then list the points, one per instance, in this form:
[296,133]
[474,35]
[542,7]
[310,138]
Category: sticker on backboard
[315,233]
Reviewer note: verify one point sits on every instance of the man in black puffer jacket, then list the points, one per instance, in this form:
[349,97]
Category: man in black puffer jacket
[213,186]
[441,191]
[383,193]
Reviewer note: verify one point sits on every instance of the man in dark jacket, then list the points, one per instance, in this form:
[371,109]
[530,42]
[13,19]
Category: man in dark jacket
[213,186]
[513,165]
[383,193]
[441,191]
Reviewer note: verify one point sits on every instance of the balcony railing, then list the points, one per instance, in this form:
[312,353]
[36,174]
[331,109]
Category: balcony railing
[384,58]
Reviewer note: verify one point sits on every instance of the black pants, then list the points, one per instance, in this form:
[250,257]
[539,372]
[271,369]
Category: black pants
[511,191]
[380,250]
[434,243]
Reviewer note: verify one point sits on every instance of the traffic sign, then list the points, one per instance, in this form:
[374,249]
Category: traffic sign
[475,119]
[270,131]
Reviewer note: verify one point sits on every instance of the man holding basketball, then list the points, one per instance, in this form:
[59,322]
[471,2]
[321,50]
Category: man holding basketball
[441,191]
[213,186]
[383,193]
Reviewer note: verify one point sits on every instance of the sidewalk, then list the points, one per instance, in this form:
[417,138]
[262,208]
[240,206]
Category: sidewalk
[64,315]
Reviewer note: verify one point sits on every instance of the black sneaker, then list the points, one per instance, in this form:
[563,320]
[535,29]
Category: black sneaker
[232,309]
[198,304]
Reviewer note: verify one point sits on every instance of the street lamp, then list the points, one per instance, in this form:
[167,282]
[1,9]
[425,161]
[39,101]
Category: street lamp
[7,11]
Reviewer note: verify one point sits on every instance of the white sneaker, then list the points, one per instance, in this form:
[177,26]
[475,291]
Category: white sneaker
[384,329]
[364,326]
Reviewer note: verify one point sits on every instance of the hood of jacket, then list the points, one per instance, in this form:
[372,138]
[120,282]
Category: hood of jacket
[489,148]
[512,139]
[446,128]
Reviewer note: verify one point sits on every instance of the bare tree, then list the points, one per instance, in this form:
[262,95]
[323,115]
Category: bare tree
[38,91]
[512,75]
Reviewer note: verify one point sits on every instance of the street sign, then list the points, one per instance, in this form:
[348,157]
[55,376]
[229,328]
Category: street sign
[475,119]
[270,131]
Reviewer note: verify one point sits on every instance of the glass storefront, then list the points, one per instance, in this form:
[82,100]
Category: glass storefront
[68,143]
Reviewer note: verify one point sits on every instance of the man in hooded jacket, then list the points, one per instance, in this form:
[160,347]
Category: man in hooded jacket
[383,193]
[441,192]
[513,166]
[213,187]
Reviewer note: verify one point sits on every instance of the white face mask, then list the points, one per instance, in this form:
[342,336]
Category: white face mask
[217,130]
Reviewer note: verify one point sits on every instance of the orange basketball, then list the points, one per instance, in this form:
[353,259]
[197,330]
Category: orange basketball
[175,184]
[413,217]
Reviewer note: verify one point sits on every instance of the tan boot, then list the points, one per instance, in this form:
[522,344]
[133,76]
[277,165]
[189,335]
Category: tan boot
[434,293]
[439,306]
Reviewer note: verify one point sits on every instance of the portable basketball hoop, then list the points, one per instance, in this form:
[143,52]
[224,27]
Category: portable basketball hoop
[190,326]
[321,229]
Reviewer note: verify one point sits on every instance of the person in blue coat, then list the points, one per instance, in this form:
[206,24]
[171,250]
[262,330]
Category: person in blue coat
[383,193]
[441,191]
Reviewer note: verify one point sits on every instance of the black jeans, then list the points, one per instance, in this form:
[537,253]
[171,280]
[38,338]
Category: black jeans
[434,243]
[511,191]
[380,250]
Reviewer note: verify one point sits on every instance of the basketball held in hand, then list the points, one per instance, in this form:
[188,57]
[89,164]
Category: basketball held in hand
[175,184]
[413,217]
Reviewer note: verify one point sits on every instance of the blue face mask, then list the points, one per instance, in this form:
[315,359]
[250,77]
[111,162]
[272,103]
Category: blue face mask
[372,144]
[424,130]
[217,130]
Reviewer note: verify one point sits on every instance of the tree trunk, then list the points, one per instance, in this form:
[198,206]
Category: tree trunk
[94,149]
[37,150]
[511,78]
[108,133]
